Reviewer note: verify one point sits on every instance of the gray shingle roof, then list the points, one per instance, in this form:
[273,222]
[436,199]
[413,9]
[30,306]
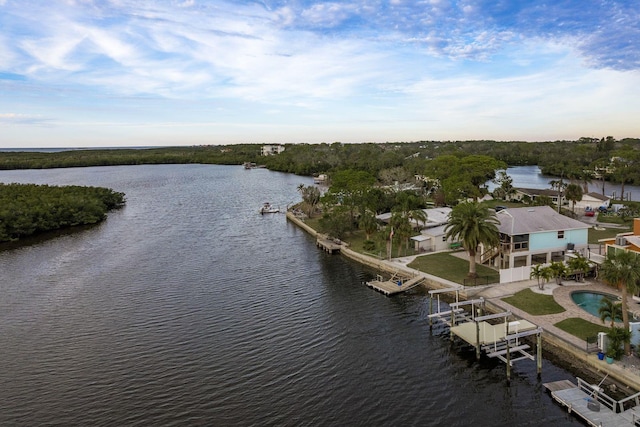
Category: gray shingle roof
[535,219]
[598,196]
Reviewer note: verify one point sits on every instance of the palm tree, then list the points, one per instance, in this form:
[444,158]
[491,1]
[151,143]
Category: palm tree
[559,186]
[542,273]
[609,309]
[419,216]
[537,273]
[401,227]
[474,224]
[368,223]
[547,274]
[574,193]
[558,270]
[580,266]
[622,269]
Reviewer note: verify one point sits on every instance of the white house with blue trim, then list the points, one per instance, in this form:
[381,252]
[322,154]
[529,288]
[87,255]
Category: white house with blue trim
[538,235]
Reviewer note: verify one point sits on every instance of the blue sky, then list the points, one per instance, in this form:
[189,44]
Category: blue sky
[84,73]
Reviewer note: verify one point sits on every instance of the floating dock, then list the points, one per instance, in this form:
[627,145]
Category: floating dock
[593,406]
[395,284]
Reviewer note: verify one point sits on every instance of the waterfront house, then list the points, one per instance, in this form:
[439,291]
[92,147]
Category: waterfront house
[432,235]
[270,150]
[529,195]
[535,235]
[432,240]
[435,217]
[629,241]
[593,201]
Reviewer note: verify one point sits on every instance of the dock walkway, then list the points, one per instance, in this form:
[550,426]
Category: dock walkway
[592,405]
[328,245]
[395,284]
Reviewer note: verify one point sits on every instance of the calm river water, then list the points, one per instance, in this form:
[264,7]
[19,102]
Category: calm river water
[187,307]
[531,177]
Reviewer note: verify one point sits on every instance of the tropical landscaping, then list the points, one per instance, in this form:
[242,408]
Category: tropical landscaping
[367,180]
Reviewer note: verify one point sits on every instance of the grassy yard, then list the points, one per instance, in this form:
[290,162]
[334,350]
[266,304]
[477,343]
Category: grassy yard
[595,235]
[447,266]
[581,328]
[534,303]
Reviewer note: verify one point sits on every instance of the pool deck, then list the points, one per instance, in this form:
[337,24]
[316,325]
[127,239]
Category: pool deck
[626,370]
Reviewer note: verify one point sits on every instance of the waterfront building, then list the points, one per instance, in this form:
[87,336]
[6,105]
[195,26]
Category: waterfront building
[535,235]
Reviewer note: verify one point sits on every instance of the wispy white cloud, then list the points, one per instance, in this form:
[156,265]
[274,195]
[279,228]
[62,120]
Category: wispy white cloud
[21,119]
[307,63]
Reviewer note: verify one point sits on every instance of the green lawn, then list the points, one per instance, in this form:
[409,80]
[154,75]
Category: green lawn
[595,235]
[534,303]
[447,266]
[581,328]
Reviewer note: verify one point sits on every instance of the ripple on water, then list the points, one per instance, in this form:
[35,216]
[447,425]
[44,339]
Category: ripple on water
[187,307]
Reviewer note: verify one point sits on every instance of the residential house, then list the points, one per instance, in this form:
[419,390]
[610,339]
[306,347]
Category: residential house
[629,241]
[269,150]
[435,217]
[593,201]
[432,235]
[432,240]
[529,195]
[536,235]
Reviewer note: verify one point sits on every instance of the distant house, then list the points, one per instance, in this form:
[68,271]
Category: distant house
[431,237]
[536,235]
[593,201]
[435,217]
[270,150]
[629,241]
[432,240]
[529,195]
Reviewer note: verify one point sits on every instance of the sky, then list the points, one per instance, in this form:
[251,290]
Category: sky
[106,73]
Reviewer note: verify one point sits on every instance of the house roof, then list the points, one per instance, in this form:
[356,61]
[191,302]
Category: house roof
[434,231]
[421,238]
[536,219]
[597,196]
[633,240]
[435,216]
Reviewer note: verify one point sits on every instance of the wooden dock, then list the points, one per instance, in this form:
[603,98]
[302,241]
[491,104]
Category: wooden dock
[395,284]
[589,403]
[500,340]
[328,245]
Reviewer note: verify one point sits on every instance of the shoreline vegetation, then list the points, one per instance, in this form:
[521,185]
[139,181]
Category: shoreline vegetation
[365,180]
[29,210]
[577,360]
[572,160]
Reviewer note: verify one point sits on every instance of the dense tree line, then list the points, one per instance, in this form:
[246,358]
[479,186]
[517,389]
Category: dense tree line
[387,161]
[227,155]
[29,209]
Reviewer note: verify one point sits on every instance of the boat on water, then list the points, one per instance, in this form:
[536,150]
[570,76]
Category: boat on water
[267,209]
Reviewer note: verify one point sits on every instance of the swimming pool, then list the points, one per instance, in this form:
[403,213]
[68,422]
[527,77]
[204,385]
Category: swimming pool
[590,301]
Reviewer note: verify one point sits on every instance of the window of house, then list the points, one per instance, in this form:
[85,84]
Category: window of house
[521,242]
[561,234]
[444,238]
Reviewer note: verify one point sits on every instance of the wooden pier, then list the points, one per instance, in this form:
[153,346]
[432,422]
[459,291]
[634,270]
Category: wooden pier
[395,284]
[328,245]
[593,406]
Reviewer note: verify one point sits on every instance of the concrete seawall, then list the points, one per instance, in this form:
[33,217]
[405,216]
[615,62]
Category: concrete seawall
[384,266]
[557,342]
